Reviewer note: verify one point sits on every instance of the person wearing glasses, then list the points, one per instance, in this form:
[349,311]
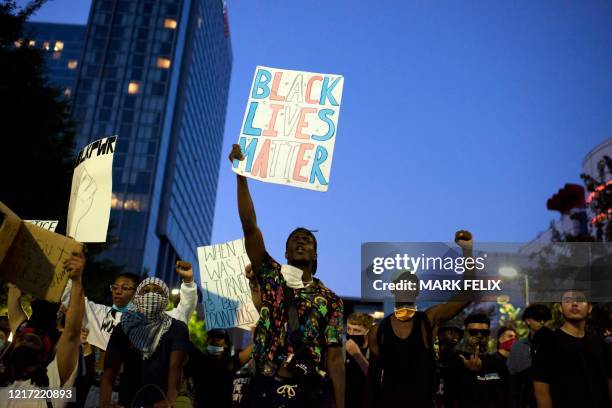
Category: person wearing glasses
[573,368]
[151,346]
[475,378]
[102,319]
[402,365]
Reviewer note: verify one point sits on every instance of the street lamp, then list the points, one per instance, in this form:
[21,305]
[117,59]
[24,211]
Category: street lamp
[511,273]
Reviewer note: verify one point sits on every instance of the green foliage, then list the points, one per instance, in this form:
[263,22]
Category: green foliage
[25,302]
[510,316]
[197,332]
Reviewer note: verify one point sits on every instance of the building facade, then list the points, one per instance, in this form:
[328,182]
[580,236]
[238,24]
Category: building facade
[156,73]
[62,44]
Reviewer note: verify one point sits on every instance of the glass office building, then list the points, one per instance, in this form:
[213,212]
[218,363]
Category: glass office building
[62,44]
[156,73]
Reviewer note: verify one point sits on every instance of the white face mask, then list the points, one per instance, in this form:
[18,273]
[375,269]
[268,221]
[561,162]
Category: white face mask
[293,276]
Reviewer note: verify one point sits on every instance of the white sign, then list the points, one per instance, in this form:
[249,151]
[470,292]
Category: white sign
[91,193]
[48,225]
[289,128]
[226,292]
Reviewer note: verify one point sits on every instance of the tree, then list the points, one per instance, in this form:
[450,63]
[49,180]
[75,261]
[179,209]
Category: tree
[38,134]
[38,141]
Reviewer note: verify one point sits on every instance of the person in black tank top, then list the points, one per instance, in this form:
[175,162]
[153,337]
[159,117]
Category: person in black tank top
[402,359]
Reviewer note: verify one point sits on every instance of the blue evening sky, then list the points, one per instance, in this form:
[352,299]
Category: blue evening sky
[454,115]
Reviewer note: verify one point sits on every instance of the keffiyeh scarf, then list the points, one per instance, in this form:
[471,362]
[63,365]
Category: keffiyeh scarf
[146,325]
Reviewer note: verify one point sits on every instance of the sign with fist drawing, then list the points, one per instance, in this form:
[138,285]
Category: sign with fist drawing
[91,193]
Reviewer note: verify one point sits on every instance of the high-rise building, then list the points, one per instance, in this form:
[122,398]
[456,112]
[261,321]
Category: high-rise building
[156,73]
[62,44]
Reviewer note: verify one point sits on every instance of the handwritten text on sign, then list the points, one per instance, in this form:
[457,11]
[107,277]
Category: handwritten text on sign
[289,127]
[91,192]
[227,296]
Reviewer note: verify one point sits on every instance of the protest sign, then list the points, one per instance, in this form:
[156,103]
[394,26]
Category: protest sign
[32,257]
[49,225]
[226,292]
[289,128]
[91,193]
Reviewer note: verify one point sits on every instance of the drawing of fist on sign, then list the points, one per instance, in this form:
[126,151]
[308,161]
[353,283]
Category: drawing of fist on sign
[85,193]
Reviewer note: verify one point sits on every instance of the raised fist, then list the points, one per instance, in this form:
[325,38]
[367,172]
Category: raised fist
[463,238]
[185,271]
[236,154]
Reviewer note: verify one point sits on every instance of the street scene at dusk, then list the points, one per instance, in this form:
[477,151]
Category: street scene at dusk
[230,203]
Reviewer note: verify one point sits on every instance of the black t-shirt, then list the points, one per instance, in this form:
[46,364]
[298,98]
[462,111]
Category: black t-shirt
[577,370]
[213,378]
[355,387]
[154,370]
[488,388]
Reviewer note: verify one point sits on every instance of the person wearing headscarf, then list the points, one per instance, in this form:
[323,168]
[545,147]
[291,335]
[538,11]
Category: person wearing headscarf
[151,345]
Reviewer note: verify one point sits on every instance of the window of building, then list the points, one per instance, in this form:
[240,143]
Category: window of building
[59,45]
[172,9]
[72,64]
[46,46]
[32,43]
[104,115]
[170,23]
[127,116]
[129,102]
[163,62]
[110,86]
[143,34]
[67,92]
[158,89]
[108,101]
[136,73]
[138,60]
[133,88]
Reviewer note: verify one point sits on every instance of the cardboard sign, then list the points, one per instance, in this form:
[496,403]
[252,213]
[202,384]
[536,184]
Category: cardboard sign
[226,292]
[289,128]
[48,225]
[32,257]
[91,193]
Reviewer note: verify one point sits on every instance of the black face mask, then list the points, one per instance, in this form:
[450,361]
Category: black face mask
[24,361]
[358,339]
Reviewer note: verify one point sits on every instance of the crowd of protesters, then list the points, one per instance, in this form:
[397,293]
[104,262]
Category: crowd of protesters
[136,353]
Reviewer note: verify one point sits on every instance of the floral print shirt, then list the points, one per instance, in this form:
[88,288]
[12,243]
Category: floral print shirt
[319,311]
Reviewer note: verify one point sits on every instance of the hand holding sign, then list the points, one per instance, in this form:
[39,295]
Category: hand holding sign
[236,154]
[75,265]
[185,271]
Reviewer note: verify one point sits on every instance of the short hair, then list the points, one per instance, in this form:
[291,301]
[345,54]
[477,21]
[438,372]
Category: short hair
[219,334]
[360,319]
[574,289]
[477,318]
[314,239]
[504,329]
[537,312]
[135,278]
[302,229]
[405,295]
